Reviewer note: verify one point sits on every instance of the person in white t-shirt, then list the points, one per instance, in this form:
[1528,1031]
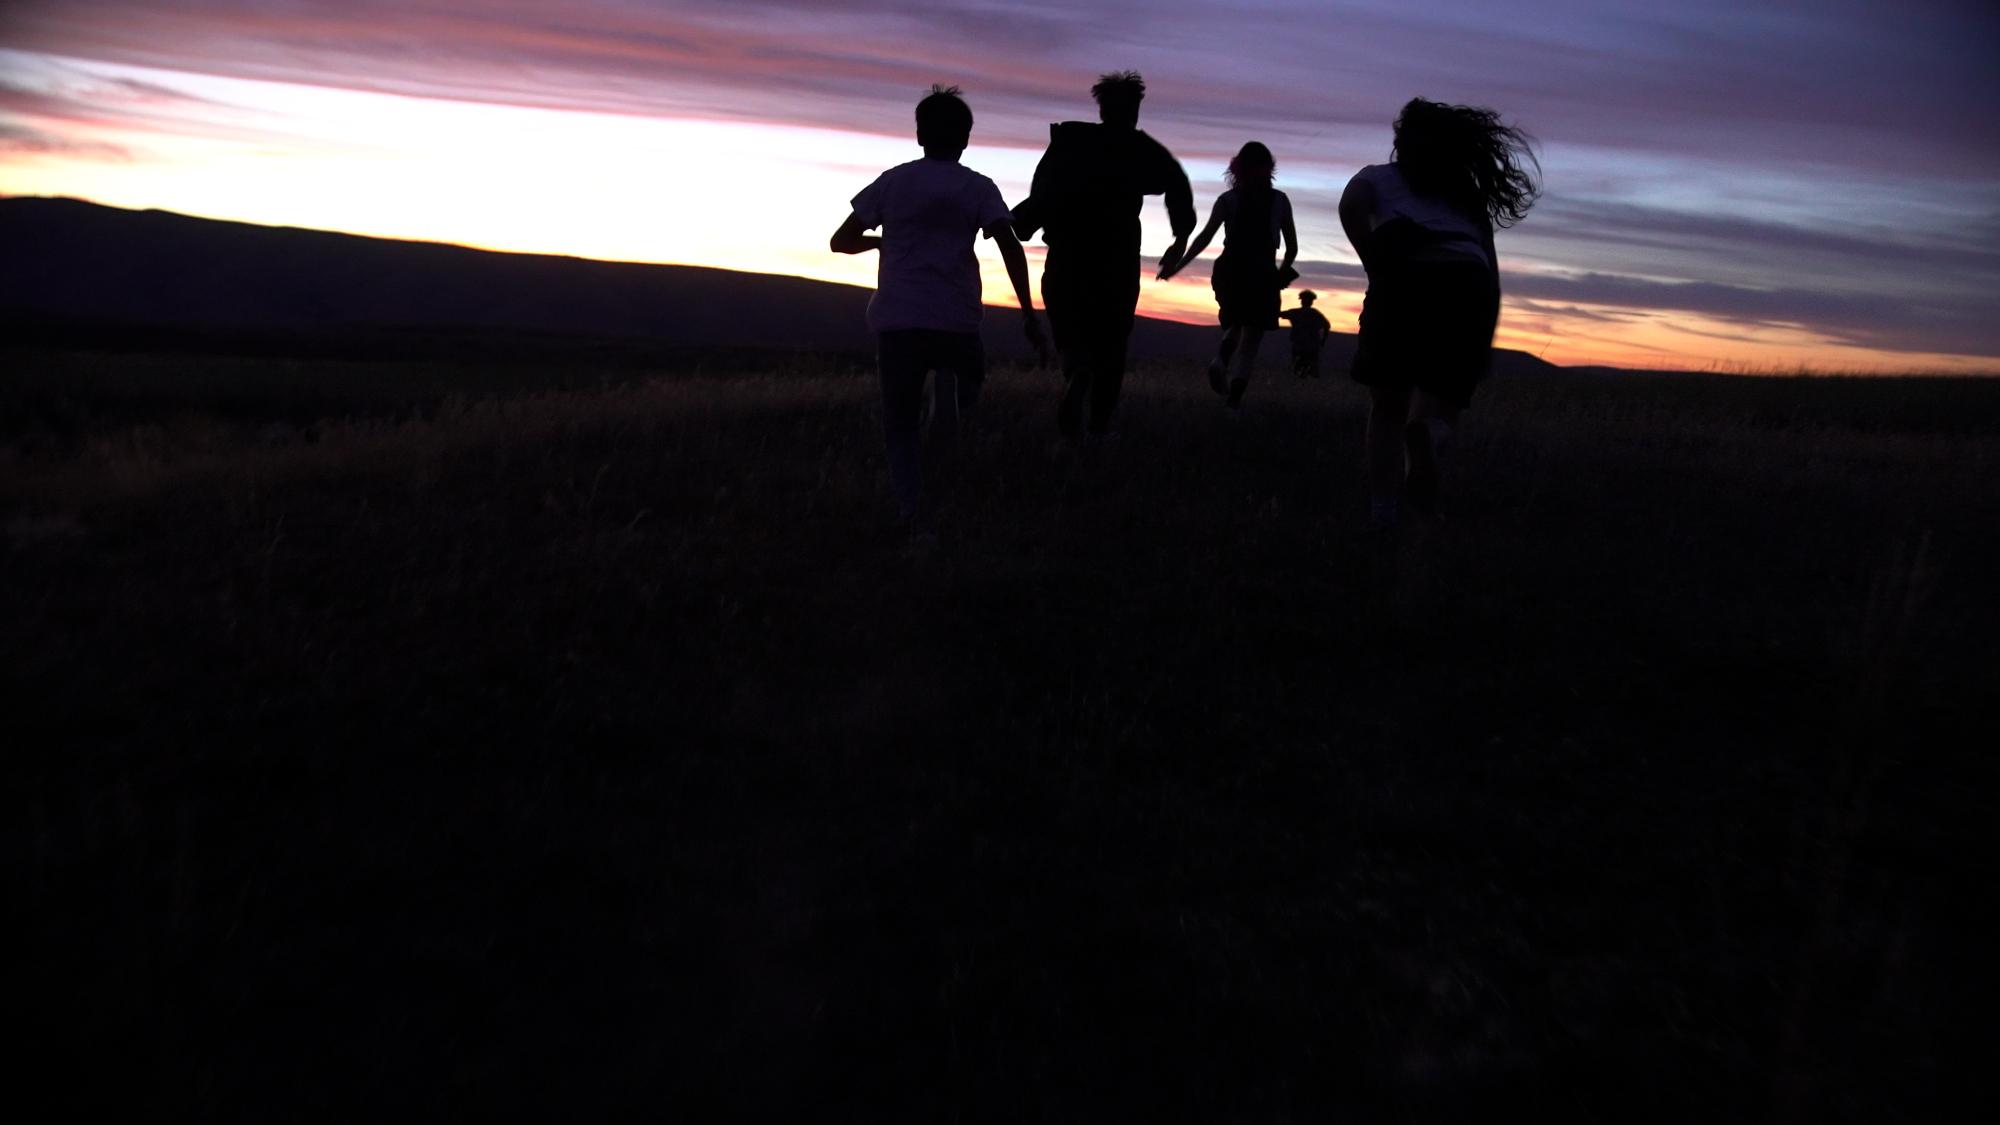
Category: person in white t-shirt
[926,309]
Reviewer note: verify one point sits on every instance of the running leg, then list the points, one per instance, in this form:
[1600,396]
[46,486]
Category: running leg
[1388,412]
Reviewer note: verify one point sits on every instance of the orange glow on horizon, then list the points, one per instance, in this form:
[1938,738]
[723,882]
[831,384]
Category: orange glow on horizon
[758,198]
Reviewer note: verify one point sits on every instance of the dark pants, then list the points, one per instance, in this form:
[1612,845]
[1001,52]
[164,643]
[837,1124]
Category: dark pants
[1305,364]
[904,357]
[1090,293]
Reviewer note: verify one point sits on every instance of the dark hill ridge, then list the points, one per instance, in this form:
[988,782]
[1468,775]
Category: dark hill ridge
[77,270]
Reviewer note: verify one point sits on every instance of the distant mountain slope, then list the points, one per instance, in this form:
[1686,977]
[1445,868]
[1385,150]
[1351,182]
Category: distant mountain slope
[82,265]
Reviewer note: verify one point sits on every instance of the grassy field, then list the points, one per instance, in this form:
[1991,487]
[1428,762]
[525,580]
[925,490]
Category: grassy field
[469,743]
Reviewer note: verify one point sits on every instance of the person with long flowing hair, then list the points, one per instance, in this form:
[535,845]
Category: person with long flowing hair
[1254,217]
[1423,226]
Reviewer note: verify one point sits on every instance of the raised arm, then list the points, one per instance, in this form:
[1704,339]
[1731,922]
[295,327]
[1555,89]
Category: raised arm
[1171,264]
[1016,259]
[851,239]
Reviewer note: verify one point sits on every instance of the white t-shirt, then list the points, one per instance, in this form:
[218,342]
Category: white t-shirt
[1460,235]
[930,212]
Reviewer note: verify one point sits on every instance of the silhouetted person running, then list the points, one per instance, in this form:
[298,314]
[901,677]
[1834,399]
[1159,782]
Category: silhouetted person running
[926,308]
[1423,226]
[1309,333]
[1254,217]
[1087,194]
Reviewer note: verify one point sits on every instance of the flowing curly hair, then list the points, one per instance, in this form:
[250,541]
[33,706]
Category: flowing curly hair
[1464,154]
[1252,167]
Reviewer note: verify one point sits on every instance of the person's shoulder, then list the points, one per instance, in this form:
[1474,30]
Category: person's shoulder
[1363,187]
[1146,143]
[973,177]
[900,171]
[1372,173]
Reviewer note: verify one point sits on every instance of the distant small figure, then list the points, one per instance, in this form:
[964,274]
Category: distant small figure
[1254,217]
[1088,190]
[926,308]
[1309,333]
[1423,226]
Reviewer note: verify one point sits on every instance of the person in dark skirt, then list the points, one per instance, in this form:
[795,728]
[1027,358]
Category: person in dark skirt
[1423,227]
[1254,217]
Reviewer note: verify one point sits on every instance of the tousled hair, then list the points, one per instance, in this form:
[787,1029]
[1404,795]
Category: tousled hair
[943,119]
[1466,156]
[1120,87]
[1252,167]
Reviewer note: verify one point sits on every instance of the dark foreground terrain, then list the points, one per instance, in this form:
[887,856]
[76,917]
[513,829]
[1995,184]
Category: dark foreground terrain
[406,741]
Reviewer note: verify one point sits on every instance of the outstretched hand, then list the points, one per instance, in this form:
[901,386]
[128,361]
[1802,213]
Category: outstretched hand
[1172,261]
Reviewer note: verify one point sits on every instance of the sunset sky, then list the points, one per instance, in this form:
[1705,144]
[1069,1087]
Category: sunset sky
[1728,182]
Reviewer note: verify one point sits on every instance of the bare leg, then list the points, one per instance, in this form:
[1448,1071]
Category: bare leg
[1424,437]
[1429,407]
[1218,370]
[1388,412]
[1246,362]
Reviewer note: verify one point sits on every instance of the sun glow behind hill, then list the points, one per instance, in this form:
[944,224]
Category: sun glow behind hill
[736,195]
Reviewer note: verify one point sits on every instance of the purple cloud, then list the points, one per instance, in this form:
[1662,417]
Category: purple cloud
[18,138]
[1835,92]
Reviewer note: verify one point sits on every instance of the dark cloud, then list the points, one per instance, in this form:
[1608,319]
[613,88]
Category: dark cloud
[1966,250]
[1843,91]
[1959,325]
[124,105]
[27,140]
[152,93]
[1866,86]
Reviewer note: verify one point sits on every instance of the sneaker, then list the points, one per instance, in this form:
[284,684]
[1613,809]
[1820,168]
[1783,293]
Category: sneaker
[1422,477]
[1236,389]
[1218,377]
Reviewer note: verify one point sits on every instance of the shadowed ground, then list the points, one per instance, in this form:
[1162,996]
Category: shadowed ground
[384,750]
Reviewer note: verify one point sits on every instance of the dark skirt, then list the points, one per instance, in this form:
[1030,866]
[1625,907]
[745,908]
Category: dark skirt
[1429,326]
[1246,292]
